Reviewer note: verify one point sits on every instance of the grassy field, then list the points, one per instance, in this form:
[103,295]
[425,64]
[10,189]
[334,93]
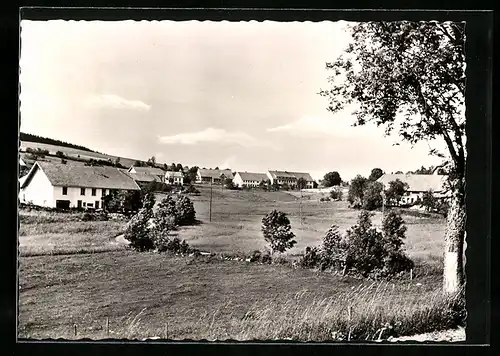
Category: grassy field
[237,215]
[74,152]
[142,295]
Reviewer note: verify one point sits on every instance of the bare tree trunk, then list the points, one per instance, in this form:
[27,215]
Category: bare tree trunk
[454,276]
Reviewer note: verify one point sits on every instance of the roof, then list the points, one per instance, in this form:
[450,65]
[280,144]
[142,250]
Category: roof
[215,173]
[149,170]
[174,174]
[252,176]
[142,177]
[417,182]
[83,176]
[296,175]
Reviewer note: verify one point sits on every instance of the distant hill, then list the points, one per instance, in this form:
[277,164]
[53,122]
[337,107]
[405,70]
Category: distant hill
[26,137]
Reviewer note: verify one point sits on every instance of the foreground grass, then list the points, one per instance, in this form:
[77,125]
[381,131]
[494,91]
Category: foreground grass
[143,295]
[43,232]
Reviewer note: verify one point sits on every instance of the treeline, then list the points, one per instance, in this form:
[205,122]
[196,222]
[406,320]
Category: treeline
[49,141]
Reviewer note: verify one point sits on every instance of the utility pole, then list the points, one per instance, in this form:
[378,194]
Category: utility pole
[300,206]
[211,181]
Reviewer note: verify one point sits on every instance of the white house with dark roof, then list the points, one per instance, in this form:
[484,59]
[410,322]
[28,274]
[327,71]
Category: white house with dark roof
[215,176]
[248,179]
[176,178]
[70,186]
[417,185]
[142,173]
[290,178]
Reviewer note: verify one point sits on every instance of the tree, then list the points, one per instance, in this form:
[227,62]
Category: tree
[332,179]
[301,183]
[423,170]
[315,184]
[395,191]
[185,212]
[117,162]
[372,195]
[152,161]
[356,191]
[228,183]
[138,164]
[179,168]
[429,201]
[375,174]
[60,154]
[277,232]
[414,71]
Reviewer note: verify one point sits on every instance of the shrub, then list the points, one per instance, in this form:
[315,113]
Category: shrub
[266,258]
[87,217]
[336,194]
[356,191]
[311,258]
[256,256]
[372,196]
[185,213]
[277,231]
[396,191]
[334,249]
[163,223]
[190,189]
[138,230]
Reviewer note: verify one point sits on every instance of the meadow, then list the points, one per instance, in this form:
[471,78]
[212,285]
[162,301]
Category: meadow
[77,282]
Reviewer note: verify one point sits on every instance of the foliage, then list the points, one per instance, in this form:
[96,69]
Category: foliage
[375,174]
[333,250]
[190,189]
[395,191]
[60,154]
[301,183]
[151,161]
[332,179]
[228,183]
[324,199]
[138,232]
[409,77]
[122,200]
[266,258]
[394,232]
[310,258]
[277,232]
[185,212]
[153,187]
[336,194]
[35,154]
[372,195]
[256,256]
[429,201]
[356,191]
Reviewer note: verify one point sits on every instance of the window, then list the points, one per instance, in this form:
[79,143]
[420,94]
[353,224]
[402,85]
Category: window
[97,204]
[94,192]
[84,204]
[64,190]
[79,204]
[82,191]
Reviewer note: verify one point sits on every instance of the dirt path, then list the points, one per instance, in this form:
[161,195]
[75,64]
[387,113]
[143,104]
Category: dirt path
[453,335]
[121,240]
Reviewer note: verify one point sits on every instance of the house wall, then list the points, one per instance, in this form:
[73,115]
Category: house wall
[74,195]
[237,181]
[39,191]
[177,180]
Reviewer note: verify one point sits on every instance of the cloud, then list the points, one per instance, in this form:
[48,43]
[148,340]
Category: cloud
[212,135]
[117,102]
[313,126]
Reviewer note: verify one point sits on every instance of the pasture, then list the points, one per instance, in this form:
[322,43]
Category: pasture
[75,273]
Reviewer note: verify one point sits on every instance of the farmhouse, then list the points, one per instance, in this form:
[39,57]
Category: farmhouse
[57,185]
[247,179]
[417,185]
[157,173]
[176,178]
[290,178]
[214,176]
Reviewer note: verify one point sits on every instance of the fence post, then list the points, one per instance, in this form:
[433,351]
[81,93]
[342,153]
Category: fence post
[75,329]
[411,274]
[349,315]
[107,326]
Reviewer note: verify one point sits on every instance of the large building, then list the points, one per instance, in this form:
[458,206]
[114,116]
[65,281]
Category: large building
[213,176]
[247,179]
[142,172]
[176,178]
[57,185]
[290,178]
[418,184]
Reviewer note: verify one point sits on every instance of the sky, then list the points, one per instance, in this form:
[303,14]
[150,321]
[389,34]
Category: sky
[241,95]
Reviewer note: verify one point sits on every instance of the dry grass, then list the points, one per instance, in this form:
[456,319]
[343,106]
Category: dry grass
[151,295]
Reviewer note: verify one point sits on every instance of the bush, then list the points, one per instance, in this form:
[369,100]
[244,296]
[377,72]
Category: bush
[372,196]
[190,189]
[311,258]
[185,213]
[138,232]
[334,250]
[336,195]
[163,223]
[355,195]
[277,231]
[256,256]
[324,199]
[266,258]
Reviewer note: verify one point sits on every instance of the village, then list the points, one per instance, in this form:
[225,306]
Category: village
[285,187]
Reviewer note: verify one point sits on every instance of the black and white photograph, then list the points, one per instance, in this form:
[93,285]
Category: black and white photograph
[242,180]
